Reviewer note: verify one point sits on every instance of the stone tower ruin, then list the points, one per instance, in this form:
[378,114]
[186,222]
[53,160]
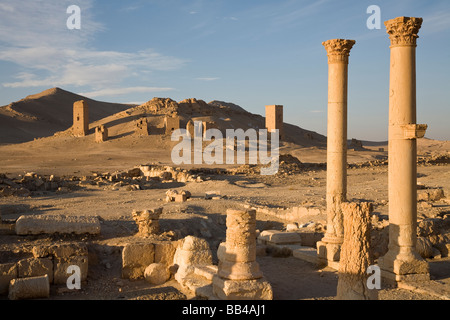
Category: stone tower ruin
[80,118]
[274,119]
[171,123]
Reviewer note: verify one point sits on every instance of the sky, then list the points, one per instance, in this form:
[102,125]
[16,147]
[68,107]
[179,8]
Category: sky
[249,52]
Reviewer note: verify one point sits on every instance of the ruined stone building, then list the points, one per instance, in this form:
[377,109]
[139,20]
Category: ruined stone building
[274,119]
[80,118]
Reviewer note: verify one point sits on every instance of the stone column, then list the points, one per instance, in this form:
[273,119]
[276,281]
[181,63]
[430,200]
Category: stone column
[356,255]
[402,261]
[239,277]
[147,221]
[338,52]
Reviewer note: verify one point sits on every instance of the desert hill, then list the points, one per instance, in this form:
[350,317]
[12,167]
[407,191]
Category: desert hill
[43,114]
[51,111]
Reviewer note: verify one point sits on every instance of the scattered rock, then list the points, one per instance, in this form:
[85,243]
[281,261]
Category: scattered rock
[157,273]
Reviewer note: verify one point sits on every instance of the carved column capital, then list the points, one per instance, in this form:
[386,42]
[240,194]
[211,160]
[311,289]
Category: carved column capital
[403,30]
[338,50]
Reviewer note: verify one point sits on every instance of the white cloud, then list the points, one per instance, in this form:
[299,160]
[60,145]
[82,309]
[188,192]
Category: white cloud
[207,78]
[436,22]
[36,38]
[123,91]
[6,7]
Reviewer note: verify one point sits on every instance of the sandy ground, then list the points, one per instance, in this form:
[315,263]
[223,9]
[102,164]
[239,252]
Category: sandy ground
[291,278]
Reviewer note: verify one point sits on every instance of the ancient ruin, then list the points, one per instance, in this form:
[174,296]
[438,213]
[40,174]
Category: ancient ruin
[190,128]
[338,51]
[356,255]
[115,216]
[171,123]
[402,262]
[239,276]
[80,118]
[147,221]
[274,119]
[142,127]
[101,134]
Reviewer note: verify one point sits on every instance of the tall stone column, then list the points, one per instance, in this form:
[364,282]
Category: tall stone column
[338,52]
[402,261]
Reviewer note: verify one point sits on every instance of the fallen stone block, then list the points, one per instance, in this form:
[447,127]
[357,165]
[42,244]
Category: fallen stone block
[206,272]
[33,267]
[430,194]
[309,239]
[8,271]
[50,224]
[157,273]
[191,253]
[135,258]
[177,196]
[29,288]
[165,251]
[279,237]
[60,267]
[62,250]
[259,289]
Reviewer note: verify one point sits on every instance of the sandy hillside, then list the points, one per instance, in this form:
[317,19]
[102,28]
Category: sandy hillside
[43,114]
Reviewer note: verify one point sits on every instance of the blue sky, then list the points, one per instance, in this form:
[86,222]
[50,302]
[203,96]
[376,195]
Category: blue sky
[249,52]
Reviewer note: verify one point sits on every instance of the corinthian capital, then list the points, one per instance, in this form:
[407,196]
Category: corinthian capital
[338,50]
[403,30]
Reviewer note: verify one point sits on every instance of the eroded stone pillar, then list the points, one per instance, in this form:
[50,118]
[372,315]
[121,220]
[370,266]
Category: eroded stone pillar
[338,51]
[101,134]
[80,118]
[274,119]
[356,255]
[239,276]
[402,262]
[147,221]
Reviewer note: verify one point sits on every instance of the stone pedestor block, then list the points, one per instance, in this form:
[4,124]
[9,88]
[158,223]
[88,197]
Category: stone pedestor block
[60,267]
[29,288]
[191,253]
[279,237]
[258,289]
[135,258]
[34,267]
[62,251]
[165,251]
[50,224]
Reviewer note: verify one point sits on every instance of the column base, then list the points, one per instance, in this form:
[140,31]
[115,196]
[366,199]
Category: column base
[403,268]
[225,289]
[239,270]
[328,254]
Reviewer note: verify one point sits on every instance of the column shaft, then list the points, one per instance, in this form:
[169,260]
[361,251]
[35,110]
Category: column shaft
[402,260]
[338,51]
